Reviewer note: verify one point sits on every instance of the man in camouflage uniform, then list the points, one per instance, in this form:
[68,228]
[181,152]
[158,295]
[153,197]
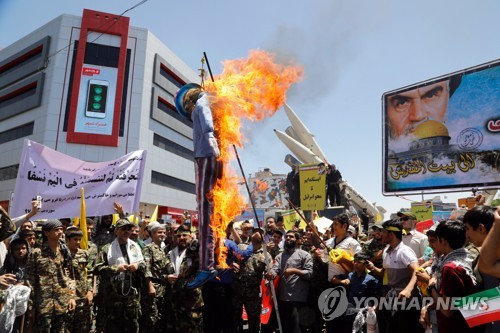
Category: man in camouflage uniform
[104,232]
[120,266]
[185,305]
[46,269]
[93,253]
[246,287]
[81,322]
[91,276]
[153,291]
[374,247]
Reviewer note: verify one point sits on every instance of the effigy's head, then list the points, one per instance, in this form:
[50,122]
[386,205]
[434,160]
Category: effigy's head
[185,99]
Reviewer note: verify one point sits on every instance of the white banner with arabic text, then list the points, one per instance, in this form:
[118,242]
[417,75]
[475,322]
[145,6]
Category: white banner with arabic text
[58,178]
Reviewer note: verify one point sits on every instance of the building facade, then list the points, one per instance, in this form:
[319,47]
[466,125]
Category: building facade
[96,88]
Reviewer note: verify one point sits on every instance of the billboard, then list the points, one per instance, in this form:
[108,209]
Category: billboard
[96,103]
[443,135]
[98,79]
[268,192]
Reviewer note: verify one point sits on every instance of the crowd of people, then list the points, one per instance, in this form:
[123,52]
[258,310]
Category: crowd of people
[134,277]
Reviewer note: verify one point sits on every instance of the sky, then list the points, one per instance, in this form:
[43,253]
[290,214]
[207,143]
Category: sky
[351,51]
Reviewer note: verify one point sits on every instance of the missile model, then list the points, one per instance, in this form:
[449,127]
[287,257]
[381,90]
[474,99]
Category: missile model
[301,142]
[291,133]
[360,200]
[305,155]
[303,134]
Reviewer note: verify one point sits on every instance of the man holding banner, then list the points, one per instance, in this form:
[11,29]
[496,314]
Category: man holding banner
[47,268]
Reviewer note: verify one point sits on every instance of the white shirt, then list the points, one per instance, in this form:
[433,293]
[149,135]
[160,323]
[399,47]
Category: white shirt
[348,244]
[416,241]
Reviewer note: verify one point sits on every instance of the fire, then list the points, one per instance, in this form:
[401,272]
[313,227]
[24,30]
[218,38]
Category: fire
[261,186]
[252,89]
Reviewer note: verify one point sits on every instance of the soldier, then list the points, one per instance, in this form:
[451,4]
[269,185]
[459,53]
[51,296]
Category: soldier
[374,247]
[93,252]
[47,274]
[246,287]
[185,314]
[152,302]
[81,321]
[119,265]
[29,236]
[104,232]
[92,277]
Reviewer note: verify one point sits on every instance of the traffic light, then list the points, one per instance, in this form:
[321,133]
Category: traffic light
[97,98]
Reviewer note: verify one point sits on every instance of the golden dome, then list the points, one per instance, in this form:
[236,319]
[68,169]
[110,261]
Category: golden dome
[429,129]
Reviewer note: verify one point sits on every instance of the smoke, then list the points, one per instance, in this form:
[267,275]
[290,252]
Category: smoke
[329,53]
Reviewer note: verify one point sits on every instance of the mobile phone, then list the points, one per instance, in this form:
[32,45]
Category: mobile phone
[97,97]
[39,201]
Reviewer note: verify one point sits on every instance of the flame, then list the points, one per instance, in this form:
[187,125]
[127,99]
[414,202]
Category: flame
[252,89]
[261,186]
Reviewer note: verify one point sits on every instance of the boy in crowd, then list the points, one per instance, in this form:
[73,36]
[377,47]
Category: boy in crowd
[359,284]
[454,277]
[81,321]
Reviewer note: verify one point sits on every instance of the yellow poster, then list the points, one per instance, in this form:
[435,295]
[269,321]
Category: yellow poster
[422,210]
[312,186]
[290,217]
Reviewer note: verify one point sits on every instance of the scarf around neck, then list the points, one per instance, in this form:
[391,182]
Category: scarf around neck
[461,257]
[115,255]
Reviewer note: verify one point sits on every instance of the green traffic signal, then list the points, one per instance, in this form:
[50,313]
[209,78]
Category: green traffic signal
[96,99]
[98,90]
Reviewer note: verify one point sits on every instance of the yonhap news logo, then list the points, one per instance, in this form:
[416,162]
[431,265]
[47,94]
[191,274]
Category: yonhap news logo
[333,303]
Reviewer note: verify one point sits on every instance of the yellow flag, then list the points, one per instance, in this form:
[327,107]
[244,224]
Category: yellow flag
[154,217]
[116,217]
[133,219]
[84,244]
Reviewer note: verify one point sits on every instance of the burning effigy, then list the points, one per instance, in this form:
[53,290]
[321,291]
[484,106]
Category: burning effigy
[249,89]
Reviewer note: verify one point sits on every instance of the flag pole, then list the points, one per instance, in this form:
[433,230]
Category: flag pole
[264,247]
[313,227]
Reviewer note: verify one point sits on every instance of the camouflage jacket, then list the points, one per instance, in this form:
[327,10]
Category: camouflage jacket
[156,267]
[275,251]
[78,273]
[249,277]
[117,284]
[7,227]
[371,248]
[93,254]
[183,298]
[103,238]
[47,275]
